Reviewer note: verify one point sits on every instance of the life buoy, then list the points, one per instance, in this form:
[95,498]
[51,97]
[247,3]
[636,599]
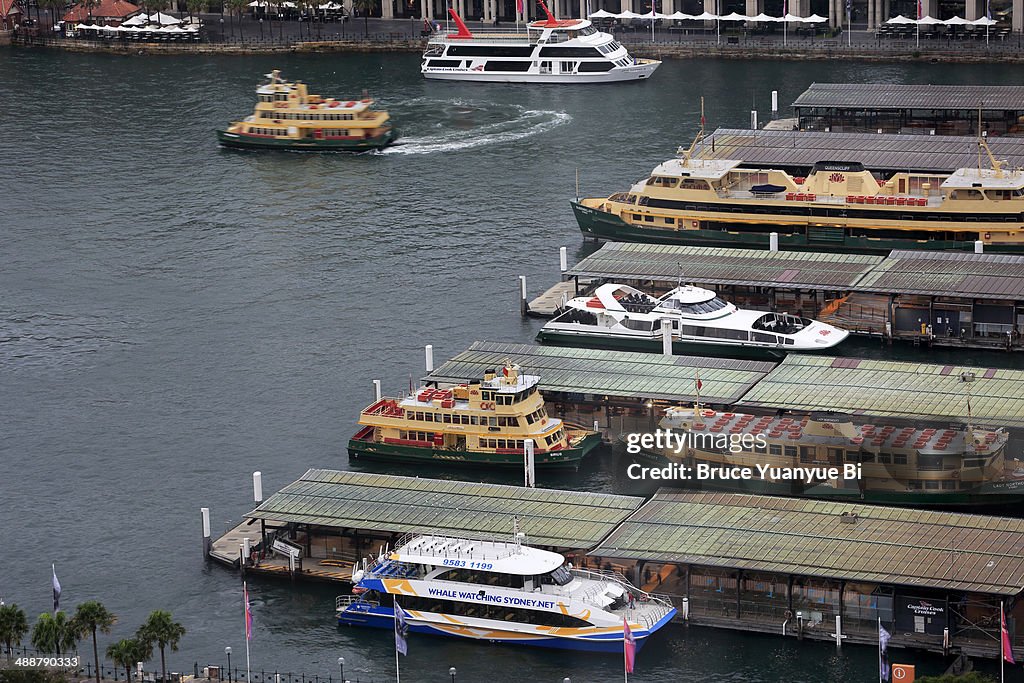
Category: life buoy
[313,106]
[280,105]
[988,235]
[695,223]
[334,104]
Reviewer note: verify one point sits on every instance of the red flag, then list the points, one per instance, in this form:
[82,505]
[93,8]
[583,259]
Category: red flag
[700,385]
[628,646]
[519,6]
[1006,646]
[248,613]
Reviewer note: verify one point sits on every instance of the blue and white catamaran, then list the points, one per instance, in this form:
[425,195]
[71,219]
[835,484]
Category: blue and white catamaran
[500,591]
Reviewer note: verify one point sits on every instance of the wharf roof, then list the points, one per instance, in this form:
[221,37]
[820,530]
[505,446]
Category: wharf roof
[106,9]
[885,153]
[928,273]
[9,7]
[393,504]
[615,373]
[902,96]
[860,386]
[723,265]
[903,546]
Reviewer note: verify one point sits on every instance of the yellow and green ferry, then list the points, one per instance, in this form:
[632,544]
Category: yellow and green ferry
[288,117]
[482,423]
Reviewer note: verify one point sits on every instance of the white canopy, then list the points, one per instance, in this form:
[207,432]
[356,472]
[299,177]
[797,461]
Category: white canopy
[628,15]
[330,6]
[735,16]
[984,21]
[764,17]
[601,14]
[681,15]
[706,16]
[792,17]
[928,21]
[137,20]
[815,19]
[900,19]
[87,27]
[957,21]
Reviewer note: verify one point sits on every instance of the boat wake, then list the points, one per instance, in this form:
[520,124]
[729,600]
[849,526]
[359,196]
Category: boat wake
[458,125]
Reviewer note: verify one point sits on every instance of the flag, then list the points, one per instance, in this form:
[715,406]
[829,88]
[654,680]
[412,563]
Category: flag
[883,659]
[401,630]
[628,646]
[519,6]
[988,9]
[1006,646]
[918,9]
[248,614]
[56,588]
[700,385]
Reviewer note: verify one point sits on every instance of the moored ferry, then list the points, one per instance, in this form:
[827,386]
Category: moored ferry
[288,117]
[621,317]
[551,51]
[500,591]
[891,465]
[484,423]
[838,206]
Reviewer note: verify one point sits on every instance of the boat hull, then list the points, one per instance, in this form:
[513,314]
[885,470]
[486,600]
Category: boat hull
[239,141]
[383,617]
[602,225]
[680,348]
[567,458]
[635,72]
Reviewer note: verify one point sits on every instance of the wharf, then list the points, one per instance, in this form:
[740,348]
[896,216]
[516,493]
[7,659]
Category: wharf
[736,561]
[958,300]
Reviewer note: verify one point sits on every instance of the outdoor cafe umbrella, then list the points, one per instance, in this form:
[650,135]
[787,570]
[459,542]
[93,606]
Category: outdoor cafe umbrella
[601,14]
[900,19]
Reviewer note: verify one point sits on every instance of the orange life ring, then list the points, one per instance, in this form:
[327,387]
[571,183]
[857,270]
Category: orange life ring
[695,224]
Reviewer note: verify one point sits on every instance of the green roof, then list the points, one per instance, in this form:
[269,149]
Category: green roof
[892,389]
[387,503]
[721,265]
[989,276]
[613,373]
[900,546]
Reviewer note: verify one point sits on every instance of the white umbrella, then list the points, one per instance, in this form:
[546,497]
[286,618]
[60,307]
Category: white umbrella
[984,21]
[706,16]
[681,15]
[900,19]
[928,21]
[815,19]
[735,16]
[792,17]
[957,21]
[601,14]
[764,17]
[137,20]
[628,15]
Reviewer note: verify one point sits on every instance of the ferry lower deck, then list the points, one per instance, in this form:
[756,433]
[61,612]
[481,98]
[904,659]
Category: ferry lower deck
[796,568]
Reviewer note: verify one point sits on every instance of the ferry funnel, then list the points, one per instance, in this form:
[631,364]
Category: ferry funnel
[464,31]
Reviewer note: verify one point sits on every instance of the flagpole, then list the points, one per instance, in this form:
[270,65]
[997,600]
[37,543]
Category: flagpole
[245,615]
[880,650]
[398,675]
[1002,641]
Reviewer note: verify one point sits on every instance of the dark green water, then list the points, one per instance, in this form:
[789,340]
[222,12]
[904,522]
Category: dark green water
[175,316]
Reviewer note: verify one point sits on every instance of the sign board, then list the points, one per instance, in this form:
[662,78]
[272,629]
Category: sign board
[902,673]
[286,548]
[920,615]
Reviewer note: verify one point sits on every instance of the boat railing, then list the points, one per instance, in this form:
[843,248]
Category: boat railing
[491,35]
[452,546]
[343,602]
[385,407]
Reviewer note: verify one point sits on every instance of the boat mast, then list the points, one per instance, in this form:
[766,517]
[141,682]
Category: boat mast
[966,378]
[688,154]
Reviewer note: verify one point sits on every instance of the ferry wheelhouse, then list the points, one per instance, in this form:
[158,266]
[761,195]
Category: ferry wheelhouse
[484,423]
[551,51]
[500,591]
[839,205]
[288,117]
[909,465]
[620,316]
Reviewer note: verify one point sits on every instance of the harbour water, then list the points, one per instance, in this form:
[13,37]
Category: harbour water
[175,316]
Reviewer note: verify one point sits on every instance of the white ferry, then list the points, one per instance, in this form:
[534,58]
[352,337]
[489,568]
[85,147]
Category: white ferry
[551,51]
[619,316]
[500,591]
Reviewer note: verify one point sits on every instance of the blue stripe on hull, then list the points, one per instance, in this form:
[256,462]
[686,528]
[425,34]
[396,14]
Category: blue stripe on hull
[610,642]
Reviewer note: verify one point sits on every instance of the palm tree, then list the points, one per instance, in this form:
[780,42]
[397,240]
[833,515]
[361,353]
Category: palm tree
[364,7]
[239,7]
[161,630]
[90,617]
[55,8]
[13,626]
[126,652]
[54,633]
[196,7]
[88,5]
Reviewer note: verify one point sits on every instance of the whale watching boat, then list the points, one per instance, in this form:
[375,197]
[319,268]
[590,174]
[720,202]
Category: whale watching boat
[838,206]
[288,117]
[500,591]
[483,423]
[620,317]
[551,51]
[892,465]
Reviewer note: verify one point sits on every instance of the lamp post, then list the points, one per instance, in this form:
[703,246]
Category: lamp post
[341,665]
[452,672]
[227,651]
[261,28]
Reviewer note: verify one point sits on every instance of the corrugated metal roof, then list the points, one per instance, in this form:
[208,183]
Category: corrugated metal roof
[892,389]
[886,153]
[903,96]
[616,373]
[910,547]
[986,276]
[721,265]
[380,502]
[990,276]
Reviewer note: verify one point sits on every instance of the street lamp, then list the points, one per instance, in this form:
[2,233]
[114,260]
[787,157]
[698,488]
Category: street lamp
[261,28]
[452,672]
[341,665]
[227,651]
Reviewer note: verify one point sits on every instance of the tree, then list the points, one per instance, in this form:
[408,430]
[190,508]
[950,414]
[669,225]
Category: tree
[54,634]
[364,7]
[126,652]
[238,6]
[55,8]
[13,626]
[161,630]
[196,7]
[90,617]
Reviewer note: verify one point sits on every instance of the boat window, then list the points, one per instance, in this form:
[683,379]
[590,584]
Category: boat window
[764,338]
[1004,194]
[588,31]
[559,577]
[639,325]
[966,194]
[774,450]
[699,308]
[662,181]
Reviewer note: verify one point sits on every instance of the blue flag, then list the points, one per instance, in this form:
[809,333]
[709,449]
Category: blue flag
[401,630]
[56,589]
[883,658]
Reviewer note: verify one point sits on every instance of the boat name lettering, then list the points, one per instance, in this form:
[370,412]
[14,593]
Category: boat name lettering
[481,596]
[464,563]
